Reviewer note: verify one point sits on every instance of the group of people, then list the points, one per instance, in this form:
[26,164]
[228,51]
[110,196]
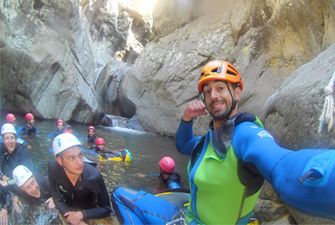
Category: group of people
[76,189]
[226,170]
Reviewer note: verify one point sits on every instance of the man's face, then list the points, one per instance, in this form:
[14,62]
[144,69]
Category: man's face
[72,160]
[60,126]
[91,132]
[32,121]
[218,99]
[30,187]
[9,140]
[101,147]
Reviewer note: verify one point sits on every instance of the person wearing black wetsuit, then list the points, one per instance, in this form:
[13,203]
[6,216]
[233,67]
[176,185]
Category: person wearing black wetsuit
[33,203]
[78,189]
[12,153]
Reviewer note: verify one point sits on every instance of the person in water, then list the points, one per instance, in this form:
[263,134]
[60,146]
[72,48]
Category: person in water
[168,177]
[78,189]
[29,128]
[32,202]
[91,137]
[60,128]
[10,118]
[34,189]
[12,153]
[228,164]
[101,150]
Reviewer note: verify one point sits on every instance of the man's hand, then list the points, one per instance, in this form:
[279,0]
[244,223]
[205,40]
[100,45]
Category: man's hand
[16,204]
[50,203]
[194,109]
[74,217]
[3,217]
[3,183]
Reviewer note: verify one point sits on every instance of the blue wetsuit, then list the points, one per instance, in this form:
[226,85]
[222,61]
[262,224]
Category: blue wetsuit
[303,179]
[27,130]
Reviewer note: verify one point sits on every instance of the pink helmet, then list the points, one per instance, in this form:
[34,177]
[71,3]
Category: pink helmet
[10,118]
[28,116]
[99,141]
[167,164]
[91,128]
[59,121]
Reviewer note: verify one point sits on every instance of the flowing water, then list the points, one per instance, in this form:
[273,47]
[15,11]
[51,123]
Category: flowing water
[146,148]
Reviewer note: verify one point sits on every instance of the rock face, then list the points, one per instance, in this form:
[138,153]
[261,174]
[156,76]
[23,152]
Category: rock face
[168,15]
[292,113]
[117,29]
[45,60]
[266,40]
[58,58]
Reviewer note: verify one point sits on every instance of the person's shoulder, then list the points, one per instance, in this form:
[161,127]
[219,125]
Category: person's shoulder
[90,172]
[52,166]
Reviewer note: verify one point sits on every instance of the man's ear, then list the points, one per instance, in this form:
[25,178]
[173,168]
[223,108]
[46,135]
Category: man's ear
[59,160]
[238,93]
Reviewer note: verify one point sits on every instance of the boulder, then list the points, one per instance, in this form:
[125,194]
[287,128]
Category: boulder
[46,63]
[292,113]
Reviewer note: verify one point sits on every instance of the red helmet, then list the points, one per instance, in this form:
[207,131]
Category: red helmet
[91,128]
[99,141]
[167,164]
[59,121]
[28,116]
[10,118]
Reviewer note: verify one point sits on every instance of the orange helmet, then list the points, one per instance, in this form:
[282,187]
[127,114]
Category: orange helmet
[99,141]
[219,70]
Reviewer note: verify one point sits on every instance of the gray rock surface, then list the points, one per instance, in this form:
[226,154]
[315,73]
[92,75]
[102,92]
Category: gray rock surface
[266,40]
[292,113]
[45,60]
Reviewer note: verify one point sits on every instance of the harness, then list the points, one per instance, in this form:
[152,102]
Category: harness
[247,172]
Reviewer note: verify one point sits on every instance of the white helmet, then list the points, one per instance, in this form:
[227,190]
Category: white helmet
[21,174]
[8,128]
[63,142]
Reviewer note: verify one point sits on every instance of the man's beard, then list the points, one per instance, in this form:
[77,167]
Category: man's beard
[221,114]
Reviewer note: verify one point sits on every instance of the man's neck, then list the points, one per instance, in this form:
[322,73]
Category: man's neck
[218,123]
[72,177]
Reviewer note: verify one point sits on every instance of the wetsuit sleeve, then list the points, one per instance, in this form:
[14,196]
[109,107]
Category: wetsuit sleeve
[253,144]
[57,197]
[6,198]
[185,140]
[104,208]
